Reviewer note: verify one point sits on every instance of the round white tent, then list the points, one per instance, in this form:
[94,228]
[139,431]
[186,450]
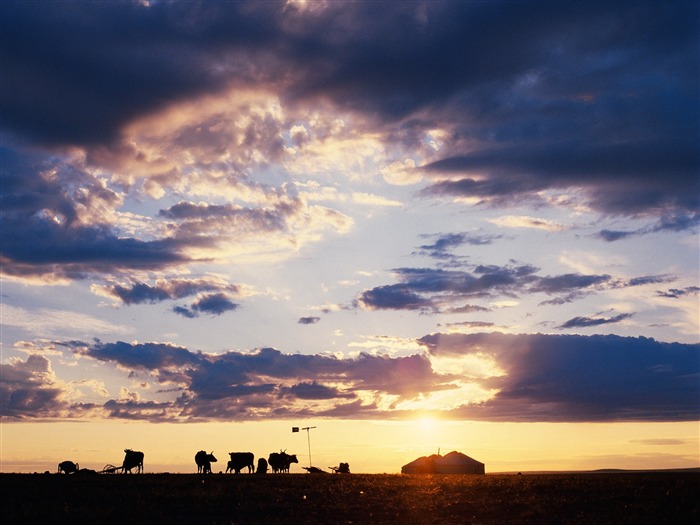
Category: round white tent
[452,463]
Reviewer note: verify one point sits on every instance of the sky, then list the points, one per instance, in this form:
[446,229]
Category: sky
[414,226]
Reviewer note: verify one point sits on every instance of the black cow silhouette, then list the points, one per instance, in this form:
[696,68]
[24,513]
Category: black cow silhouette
[204,462]
[241,460]
[262,466]
[280,461]
[343,468]
[132,459]
[67,467]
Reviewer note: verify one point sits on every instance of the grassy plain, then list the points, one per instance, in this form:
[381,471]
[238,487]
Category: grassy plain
[598,498]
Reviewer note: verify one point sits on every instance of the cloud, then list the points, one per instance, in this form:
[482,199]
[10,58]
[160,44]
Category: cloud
[658,441]
[591,97]
[214,304]
[262,383]
[674,222]
[46,322]
[309,320]
[579,378]
[437,290]
[481,376]
[64,209]
[445,243]
[675,293]
[586,322]
[163,289]
[520,221]
[30,389]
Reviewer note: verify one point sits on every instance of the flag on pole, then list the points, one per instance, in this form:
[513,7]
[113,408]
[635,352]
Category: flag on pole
[295,429]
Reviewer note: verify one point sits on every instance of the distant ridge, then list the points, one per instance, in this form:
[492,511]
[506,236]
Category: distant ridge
[689,470]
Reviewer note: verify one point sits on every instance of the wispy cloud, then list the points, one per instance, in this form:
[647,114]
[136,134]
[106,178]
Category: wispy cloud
[520,221]
[46,322]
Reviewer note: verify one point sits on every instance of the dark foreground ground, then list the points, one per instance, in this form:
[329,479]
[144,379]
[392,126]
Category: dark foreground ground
[597,498]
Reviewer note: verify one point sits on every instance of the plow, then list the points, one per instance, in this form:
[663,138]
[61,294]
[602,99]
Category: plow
[111,469]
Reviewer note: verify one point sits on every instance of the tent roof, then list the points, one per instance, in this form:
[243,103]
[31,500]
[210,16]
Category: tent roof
[456,458]
[422,461]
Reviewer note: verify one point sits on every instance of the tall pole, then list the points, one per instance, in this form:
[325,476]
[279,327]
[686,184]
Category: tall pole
[308,438]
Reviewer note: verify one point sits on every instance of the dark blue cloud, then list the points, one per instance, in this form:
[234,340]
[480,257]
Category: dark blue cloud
[214,304]
[309,320]
[586,322]
[675,222]
[314,390]
[444,244]
[437,290]
[581,378]
[42,233]
[257,219]
[588,95]
[675,293]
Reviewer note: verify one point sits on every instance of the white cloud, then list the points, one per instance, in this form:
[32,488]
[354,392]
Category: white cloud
[524,221]
[45,322]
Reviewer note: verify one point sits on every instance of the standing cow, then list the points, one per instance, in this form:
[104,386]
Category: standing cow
[280,461]
[132,459]
[241,460]
[204,462]
[68,467]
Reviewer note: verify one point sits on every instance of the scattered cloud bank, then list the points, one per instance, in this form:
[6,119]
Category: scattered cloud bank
[438,290]
[484,376]
[137,102]
[146,145]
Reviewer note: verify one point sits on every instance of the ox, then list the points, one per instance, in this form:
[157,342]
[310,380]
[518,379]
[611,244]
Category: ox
[262,466]
[68,467]
[280,461]
[241,460]
[204,462]
[132,459]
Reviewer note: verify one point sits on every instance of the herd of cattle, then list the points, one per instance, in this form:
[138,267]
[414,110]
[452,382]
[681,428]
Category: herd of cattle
[277,462]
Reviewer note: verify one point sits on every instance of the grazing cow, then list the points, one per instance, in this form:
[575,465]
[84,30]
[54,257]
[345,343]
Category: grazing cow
[85,472]
[204,462]
[132,459]
[67,467]
[262,466]
[280,461]
[241,460]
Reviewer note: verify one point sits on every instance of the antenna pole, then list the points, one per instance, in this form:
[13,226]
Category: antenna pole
[308,438]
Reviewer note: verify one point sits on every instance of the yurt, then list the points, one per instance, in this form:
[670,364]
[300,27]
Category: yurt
[421,465]
[458,463]
[452,463]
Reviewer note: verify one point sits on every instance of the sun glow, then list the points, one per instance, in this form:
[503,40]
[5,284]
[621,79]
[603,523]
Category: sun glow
[427,423]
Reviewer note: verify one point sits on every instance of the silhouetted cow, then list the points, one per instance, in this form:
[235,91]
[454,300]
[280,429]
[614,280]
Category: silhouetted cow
[280,461]
[132,459]
[204,462]
[67,467]
[241,460]
[262,466]
[85,472]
